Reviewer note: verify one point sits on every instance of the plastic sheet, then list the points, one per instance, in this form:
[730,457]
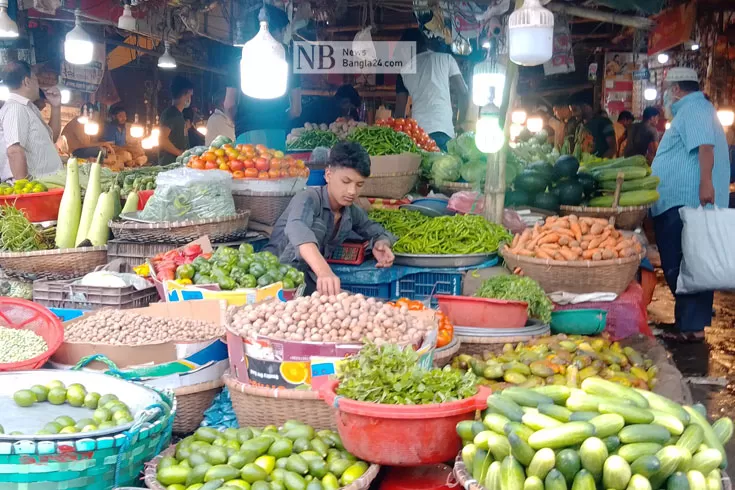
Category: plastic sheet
[220,414]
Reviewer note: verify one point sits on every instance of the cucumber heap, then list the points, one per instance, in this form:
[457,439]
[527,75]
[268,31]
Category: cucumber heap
[603,436]
[639,186]
[294,457]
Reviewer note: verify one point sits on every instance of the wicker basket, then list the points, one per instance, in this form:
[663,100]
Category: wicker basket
[258,407]
[579,277]
[444,355]
[626,218]
[64,294]
[192,402]
[390,186]
[225,229]
[66,263]
[449,188]
[479,345]
[264,207]
[362,483]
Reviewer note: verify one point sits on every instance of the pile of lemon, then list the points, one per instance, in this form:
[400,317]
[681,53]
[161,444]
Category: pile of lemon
[22,186]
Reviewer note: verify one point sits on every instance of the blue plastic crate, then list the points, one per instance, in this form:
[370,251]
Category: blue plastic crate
[424,284]
[378,291]
[67,314]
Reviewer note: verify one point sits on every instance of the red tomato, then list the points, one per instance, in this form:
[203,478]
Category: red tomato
[274,173]
[197,164]
[248,163]
[238,174]
[263,175]
[251,173]
[261,164]
[236,165]
[210,165]
[294,172]
[276,163]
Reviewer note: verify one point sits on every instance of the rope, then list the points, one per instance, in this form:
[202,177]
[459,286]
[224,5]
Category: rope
[113,371]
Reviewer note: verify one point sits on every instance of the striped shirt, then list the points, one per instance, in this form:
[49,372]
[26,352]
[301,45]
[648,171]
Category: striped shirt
[677,159]
[21,122]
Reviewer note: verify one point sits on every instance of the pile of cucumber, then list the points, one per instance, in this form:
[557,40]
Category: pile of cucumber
[639,186]
[603,436]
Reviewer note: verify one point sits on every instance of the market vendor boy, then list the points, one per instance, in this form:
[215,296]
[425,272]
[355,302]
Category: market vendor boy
[319,219]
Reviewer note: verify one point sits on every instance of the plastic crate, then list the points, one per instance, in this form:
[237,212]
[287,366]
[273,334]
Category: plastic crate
[62,294]
[377,291]
[67,314]
[421,285]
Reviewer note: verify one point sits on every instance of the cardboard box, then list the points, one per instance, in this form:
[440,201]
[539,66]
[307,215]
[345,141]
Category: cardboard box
[192,354]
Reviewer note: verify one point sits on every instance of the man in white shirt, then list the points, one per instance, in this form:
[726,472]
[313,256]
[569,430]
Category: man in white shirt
[28,140]
[219,123]
[437,75]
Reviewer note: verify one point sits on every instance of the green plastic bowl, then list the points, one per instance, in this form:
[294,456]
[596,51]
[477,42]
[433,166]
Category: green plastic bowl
[578,322]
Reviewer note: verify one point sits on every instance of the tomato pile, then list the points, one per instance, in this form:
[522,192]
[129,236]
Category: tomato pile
[411,128]
[246,161]
[446,329]
[165,264]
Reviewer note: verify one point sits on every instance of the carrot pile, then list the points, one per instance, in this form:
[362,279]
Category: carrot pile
[572,238]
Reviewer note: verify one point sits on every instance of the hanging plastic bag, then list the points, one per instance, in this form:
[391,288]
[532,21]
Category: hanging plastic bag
[708,263]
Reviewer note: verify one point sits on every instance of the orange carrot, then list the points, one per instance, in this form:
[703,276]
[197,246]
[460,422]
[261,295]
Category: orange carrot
[577,230]
[523,252]
[597,256]
[609,243]
[564,240]
[541,254]
[584,245]
[624,244]
[573,244]
[550,246]
[515,241]
[568,254]
[550,238]
[577,250]
[608,254]
[584,226]
[596,229]
[589,253]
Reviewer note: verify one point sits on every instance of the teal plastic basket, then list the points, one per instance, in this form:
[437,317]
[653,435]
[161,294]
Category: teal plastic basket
[578,322]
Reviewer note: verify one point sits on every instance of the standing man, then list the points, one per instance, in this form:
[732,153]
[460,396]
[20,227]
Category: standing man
[28,140]
[219,123]
[597,134]
[437,75]
[693,165]
[643,136]
[173,140]
[622,128]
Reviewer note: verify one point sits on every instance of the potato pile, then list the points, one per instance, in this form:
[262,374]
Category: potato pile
[322,318]
[119,327]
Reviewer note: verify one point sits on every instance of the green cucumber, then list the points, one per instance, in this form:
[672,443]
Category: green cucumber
[526,397]
[710,438]
[658,402]
[564,435]
[523,431]
[723,429]
[492,478]
[495,422]
[631,452]
[646,183]
[697,481]
[520,449]
[583,416]
[538,421]
[677,481]
[555,411]
[583,481]
[533,483]
[542,462]
[601,387]
[612,443]
[629,173]
[671,422]
[505,406]
[670,457]
[632,415]
[714,480]
[468,455]
[616,473]
[607,424]
[692,438]
[628,198]
[554,481]
[569,463]
[706,461]
[647,466]
[593,454]
[495,443]
[480,464]
[511,474]
[639,482]
[644,433]
[558,393]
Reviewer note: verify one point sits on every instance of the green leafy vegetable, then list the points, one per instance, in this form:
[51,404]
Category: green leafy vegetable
[518,288]
[390,375]
[464,147]
[446,168]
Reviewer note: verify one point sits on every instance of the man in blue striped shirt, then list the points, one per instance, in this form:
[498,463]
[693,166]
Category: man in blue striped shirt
[693,165]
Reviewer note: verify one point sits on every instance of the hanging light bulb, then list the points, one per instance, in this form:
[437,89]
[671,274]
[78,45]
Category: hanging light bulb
[202,129]
[78,46]
[155,133]
[91,127]
[83,117]
[518,117]
[489,136]
[534,124]
[515,131]
[662,58]
[8,27]
[531,34]
[650,93]
[263,67]
[147,144]
[63,91]
[726,117]
[166,61]
[488,81]
[694,46]
[4,92]
[126,20]
[136,130]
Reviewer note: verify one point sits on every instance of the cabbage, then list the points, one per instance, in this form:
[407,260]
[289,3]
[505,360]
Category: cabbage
[445,168]
[474,171]
[463,146]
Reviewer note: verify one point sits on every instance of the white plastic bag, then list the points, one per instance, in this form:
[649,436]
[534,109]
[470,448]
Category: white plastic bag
[708,263]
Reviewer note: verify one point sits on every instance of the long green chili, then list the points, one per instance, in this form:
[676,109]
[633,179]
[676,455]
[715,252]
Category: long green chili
[453,235]
[381,140]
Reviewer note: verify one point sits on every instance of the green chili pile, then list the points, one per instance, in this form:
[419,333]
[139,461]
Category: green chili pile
[308,140]
[380,140]
[519,288]
[453,235]
[17,234]
[398,222]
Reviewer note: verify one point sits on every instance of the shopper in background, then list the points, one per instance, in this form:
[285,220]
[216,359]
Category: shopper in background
[5,173]
[219,123]
[28,140]
[195,137]
[571,117]
[173,140]
[693,165]
[597,134]
[430,87]
[643,135]
[622,126]
[116,130]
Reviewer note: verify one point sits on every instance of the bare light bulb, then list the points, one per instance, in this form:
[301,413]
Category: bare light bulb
[650,93]
[263,67]
[535,124]
[489,136]
[8,27]
[662,58]
[518,117]
[202,129]
[726,117]
[91,128]
[136,130]
[78,46]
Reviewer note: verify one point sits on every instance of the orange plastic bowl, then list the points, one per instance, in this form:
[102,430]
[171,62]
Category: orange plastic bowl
[19,313]
[466,311]
[402,435]
[38,207]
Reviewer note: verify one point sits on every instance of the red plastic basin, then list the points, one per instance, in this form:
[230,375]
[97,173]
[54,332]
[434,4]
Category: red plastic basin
[466,311]
[402,435]
[430,477]
[22,314]
[143,197]
[38,207]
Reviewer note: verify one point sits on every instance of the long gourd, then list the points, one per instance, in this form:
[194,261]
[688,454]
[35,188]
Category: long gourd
[646,183]
[629,173]
[94,189]
[99,229]
[70,209]
[629,198]
[131,203]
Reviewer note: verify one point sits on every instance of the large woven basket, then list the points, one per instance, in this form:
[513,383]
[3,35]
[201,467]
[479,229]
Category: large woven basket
[264,207]
[449,188]
[479,345]
[579,277]
[66,263]
[362,483]
[626,218]
[257,407]
[444,355]
[224,229]
[390,186]
[191,403]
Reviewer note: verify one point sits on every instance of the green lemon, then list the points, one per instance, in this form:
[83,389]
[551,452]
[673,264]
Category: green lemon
[89,428]
[57,396]
[53,427]
[77,389]
[69,430]
[64,421]
[84,422]
[122,414]
[41,392]
[24,398]
[75,398]
[125,420]
[102,415]
[55,384]
[105,425]
[44,433]
[104,399]
[92,400]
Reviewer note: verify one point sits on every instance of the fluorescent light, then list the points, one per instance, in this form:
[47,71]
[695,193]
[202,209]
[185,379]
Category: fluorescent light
[663,58]
[166,61]
[650,93]
[535,124]
[263,67]
[531,34]
[155,133]
[8,27]
[147,144]
[126,20]
[726,117]
[83,117]
[515,131]
[78,45]
[489,136]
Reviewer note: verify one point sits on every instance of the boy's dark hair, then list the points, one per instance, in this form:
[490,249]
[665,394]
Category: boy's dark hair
[650,112]
[626,116]
[179,86]
[277,18]
[349,154]
[347,91]
[15,72]
[689,86]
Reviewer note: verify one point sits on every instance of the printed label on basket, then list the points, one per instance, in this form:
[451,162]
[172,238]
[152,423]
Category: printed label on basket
[176,292]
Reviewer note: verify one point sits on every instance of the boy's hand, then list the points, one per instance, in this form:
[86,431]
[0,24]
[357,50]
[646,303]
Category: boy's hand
[328,284]
[383,254]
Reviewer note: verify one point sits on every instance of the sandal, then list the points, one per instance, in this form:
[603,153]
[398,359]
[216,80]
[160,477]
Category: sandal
[684,337]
